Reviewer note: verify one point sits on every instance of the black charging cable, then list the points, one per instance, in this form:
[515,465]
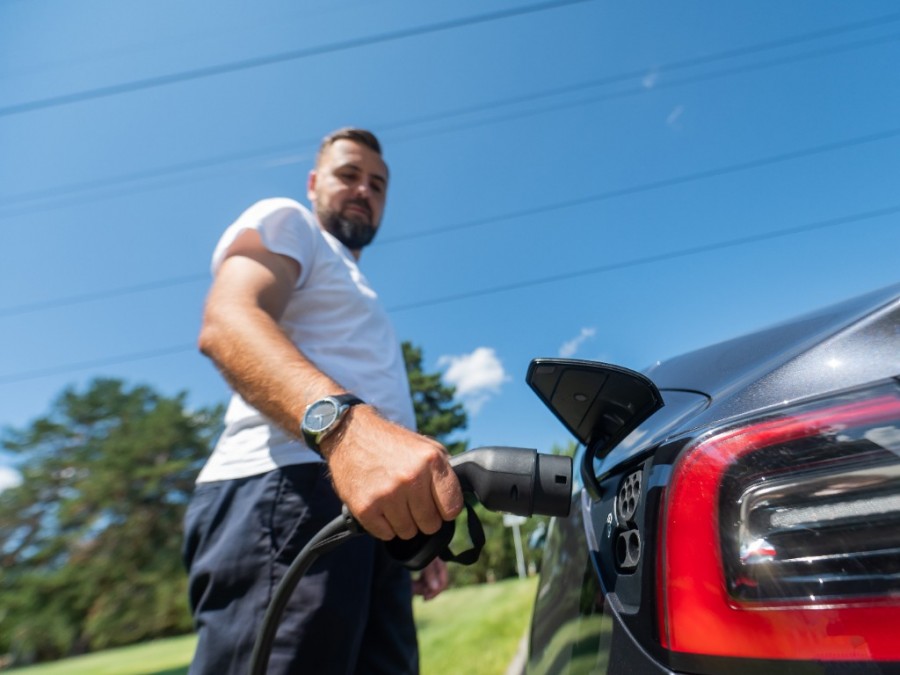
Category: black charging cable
[341,529]
[511,480]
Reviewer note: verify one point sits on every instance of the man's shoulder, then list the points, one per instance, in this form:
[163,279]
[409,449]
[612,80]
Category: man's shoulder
[279,208]
[284,225]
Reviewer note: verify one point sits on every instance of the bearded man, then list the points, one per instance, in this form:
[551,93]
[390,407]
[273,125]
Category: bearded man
[321,414]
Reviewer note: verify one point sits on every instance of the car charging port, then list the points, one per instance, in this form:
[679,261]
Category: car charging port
[628,498]
[628,549]
[628,539]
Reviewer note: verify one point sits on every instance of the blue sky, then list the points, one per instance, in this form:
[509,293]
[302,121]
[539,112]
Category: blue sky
[620,181]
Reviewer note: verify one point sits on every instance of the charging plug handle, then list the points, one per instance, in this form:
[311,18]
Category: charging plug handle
[512,480]
[520,481]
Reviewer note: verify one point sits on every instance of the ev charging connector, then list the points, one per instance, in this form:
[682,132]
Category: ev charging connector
[518,481]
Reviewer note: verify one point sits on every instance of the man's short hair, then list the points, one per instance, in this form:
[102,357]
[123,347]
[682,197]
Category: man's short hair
[361,136]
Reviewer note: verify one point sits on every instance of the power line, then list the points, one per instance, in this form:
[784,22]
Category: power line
[704,77]
[692,62]
[662,257]
[81,298]
[673,181]
[256,153]
[68,300]
[149,174]
[96,363]
[59,193]
[610,267]
[655,185]
[197,31]
[271,59]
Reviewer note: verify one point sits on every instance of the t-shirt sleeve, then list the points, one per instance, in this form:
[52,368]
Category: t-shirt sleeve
[284,225]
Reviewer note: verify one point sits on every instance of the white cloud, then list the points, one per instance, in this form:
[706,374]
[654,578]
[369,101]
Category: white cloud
[570,347]
[476,376]
[9,478]
[675,115]
[650,79]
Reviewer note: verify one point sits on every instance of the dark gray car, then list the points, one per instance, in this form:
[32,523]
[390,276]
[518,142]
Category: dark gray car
[739,506]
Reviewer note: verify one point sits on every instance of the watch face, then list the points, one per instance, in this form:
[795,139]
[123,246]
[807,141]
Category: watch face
[320,415]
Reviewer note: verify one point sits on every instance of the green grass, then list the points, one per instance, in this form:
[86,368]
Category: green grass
[473,629]
[160,657]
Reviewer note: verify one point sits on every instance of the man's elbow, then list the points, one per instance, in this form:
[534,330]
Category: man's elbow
[209,338]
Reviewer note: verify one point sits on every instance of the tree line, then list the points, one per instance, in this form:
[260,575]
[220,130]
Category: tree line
[90,541]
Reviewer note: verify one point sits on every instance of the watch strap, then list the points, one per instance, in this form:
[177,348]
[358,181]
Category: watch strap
[345,402]
[347,399]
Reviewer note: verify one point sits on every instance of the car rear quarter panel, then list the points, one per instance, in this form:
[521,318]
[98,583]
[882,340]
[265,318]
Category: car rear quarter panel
[585,612]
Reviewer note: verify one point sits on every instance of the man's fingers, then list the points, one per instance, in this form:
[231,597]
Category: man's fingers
[405,519]
[394,521]
[432,580]
[400,519]
[426,514]
[378,526]
[447,494]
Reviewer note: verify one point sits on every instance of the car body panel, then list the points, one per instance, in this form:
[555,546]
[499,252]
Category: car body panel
[590,616]
[838,347]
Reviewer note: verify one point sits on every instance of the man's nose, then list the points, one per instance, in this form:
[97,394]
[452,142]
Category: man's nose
[363,190]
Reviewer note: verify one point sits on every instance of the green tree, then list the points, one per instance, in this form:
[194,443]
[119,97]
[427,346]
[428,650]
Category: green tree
[90,541]
[437,414]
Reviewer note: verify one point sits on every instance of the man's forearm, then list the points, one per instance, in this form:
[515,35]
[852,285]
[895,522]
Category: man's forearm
[262,365]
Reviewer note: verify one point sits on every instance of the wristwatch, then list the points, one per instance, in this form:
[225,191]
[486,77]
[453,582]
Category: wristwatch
[324,416]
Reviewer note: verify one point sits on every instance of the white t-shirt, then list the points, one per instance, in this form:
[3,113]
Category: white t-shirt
[336,321]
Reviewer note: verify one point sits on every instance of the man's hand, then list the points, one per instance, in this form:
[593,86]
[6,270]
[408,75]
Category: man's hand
[432,580]
[394,481]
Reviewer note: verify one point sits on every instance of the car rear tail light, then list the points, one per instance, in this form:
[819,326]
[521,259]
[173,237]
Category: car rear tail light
[781,538]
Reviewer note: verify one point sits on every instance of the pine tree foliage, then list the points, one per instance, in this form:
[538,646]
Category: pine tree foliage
[437,414]
[90,541]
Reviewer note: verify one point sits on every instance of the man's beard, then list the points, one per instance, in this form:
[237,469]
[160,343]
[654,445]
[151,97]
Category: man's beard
[353,234]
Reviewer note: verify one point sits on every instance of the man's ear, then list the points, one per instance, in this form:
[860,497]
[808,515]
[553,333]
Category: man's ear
[311,186]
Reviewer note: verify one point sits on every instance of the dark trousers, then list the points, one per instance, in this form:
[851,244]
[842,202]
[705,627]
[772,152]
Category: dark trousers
[351,613]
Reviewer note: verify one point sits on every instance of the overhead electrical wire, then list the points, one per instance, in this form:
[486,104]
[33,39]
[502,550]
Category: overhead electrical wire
[107,294]
[694,176]
[888,134]
[637,90]
[59,194]
[855,218]
[271,59]
[690,62]
[662,257]
[296,54]
[95,363]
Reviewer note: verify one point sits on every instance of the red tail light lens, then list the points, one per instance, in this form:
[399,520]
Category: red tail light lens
[781,539]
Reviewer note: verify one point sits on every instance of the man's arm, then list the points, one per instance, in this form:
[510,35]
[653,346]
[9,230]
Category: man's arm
[396,482]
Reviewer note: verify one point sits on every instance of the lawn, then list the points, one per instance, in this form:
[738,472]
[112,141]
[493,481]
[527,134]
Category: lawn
[473,629]
[160,657]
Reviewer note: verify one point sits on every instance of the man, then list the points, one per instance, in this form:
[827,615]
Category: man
[321,415]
